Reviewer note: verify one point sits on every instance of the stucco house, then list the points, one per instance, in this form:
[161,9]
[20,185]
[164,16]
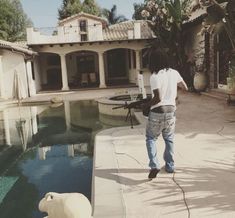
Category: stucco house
[208,51]
[85,52]
[16,81]
[16,59]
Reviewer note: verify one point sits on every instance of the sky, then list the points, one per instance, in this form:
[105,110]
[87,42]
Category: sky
[44,13]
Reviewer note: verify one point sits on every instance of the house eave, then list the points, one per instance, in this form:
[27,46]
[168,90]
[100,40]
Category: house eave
[91,42]
[19,50]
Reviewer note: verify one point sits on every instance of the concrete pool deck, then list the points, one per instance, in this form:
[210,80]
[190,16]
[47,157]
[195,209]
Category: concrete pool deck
[203,184]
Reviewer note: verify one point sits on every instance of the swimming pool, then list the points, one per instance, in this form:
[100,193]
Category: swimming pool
[46,148]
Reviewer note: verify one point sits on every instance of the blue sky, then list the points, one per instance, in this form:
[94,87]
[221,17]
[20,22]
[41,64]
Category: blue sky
[43,13]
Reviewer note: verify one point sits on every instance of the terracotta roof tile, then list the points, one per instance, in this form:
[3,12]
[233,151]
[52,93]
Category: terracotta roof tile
[16,46]
[120,31]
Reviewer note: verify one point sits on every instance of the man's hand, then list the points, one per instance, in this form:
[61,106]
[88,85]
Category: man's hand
[182,85]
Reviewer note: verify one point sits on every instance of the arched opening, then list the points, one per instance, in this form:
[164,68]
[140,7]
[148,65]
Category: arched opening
[224,56]
[119,66]
[83,69]
[50,71]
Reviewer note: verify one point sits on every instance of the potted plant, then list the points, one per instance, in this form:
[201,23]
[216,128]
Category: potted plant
[200,80]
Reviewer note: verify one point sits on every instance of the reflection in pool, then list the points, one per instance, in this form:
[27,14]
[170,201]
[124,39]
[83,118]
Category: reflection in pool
[44,148]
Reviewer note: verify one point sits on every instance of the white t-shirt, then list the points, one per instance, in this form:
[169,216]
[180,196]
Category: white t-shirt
[166,82]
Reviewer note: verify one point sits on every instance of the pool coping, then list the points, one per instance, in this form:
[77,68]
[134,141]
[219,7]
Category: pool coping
[107,194]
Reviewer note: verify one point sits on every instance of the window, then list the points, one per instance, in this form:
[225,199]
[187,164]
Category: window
[83,26]
[83,37]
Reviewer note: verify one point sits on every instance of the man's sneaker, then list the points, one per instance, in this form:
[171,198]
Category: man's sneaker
[169,167]
[169,170]
[153,173]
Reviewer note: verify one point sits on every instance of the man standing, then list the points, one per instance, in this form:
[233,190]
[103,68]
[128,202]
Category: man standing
[163,82]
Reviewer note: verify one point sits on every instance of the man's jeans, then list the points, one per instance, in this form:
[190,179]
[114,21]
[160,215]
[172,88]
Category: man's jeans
[160,123]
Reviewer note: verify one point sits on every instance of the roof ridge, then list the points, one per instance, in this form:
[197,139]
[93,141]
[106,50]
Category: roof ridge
[80,14]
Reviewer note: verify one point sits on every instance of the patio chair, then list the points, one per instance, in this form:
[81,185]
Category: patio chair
[92,77]
[84,79]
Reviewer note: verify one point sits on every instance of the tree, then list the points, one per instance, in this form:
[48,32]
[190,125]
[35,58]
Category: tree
[71,7]
[111,15]
[68,8]
[166,22]
[90,7]
[222,19]
[13,21]
[138,8]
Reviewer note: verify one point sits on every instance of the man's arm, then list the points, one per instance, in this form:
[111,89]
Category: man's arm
[155,100]
[182,85]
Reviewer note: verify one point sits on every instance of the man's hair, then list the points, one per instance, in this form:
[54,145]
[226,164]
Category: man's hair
[158,60]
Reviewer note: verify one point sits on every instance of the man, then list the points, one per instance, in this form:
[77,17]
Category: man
[163,82]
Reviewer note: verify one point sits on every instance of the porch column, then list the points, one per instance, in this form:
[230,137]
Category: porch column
[67,114]
[1,79]
[101,70]
[31,83]
[65,85]
[34,120]
[137,57]
[6,127]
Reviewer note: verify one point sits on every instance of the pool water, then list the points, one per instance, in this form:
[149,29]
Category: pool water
[47,148]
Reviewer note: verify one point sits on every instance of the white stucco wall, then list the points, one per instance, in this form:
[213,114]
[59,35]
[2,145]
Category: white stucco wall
[67,32]
[13,115]
[94,30]
[12,62]
[72,29]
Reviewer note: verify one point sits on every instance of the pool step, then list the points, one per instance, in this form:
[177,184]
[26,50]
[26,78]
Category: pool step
[6,184]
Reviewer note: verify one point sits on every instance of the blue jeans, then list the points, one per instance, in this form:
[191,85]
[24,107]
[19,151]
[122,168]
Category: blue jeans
[160,123]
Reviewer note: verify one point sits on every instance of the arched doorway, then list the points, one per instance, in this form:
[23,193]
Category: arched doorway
[224,56]
[50,68]
[117,66]
[83,69]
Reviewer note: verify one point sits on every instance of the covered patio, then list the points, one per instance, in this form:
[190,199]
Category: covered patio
[88,65]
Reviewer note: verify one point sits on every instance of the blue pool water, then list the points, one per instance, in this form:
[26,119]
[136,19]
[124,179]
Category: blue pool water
[44,149]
